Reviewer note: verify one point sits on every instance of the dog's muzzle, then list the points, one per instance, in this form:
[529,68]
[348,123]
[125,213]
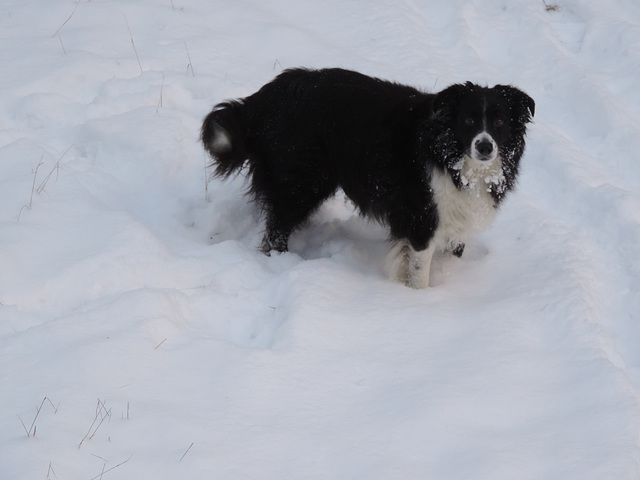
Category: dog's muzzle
[484,148]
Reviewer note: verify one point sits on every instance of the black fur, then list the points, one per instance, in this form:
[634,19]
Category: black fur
[309,132]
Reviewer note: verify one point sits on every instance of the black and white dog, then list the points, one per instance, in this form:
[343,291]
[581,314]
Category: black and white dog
[432,167]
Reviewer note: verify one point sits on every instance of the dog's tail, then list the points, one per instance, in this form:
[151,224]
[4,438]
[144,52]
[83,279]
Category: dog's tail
[223,136]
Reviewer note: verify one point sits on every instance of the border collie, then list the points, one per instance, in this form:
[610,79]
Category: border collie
[431,167]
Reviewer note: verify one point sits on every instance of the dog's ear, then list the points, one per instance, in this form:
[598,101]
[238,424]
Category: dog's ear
[524,103]
[447,99]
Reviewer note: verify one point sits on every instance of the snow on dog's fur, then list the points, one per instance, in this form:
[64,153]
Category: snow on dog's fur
[432,167]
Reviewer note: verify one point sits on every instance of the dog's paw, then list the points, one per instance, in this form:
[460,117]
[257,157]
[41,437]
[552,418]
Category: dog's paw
[408,266]
[456,248]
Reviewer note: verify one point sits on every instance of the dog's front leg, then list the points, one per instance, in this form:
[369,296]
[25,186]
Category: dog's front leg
[406,265]
[419,267]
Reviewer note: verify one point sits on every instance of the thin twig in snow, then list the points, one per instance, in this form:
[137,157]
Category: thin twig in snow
[24,426]
[50,471]
[551,7]
[55,168]
[190,66]
[112,468]
[65,22]
[160,99]
[57,34]
[62,44]
[101,413]
[43,184]
[31,432]
[55,408]
[133,43]
[183,455]
[181,9]
[33,188]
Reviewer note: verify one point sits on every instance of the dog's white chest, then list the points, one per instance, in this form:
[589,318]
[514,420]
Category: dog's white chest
[463,212]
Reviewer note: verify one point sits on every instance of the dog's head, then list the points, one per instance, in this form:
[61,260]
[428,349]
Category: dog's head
[484,123]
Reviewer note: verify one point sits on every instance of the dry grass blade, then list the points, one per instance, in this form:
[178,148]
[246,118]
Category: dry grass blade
[112,468]
[159,106]
[190,65]
[50,471]
[56,168]
[33,188]
[31,431]
[101,415]
[133,44]
[67,20]
[185,453]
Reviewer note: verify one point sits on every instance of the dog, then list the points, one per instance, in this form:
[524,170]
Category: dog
[431,167]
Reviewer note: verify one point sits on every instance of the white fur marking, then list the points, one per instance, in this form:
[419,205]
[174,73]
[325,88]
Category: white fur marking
[483,137]
[408,266]
[463,212]
[221,141]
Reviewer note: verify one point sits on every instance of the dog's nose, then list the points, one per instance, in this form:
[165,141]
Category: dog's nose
[484,148]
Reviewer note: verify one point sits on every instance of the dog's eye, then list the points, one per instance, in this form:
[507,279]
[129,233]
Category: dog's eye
[468,121]
[498,122]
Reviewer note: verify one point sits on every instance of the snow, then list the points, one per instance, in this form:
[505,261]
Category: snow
[142,334]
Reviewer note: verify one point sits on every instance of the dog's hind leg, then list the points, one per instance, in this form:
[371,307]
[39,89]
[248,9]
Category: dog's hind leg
[283,217]
[288,199]
[276,236]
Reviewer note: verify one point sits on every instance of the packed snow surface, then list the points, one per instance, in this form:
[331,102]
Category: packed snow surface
[142,334]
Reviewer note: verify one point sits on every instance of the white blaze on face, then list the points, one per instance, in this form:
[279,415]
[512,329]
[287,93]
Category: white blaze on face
[484,148]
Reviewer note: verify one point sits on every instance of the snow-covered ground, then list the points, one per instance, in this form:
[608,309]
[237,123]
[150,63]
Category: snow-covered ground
[142,335]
